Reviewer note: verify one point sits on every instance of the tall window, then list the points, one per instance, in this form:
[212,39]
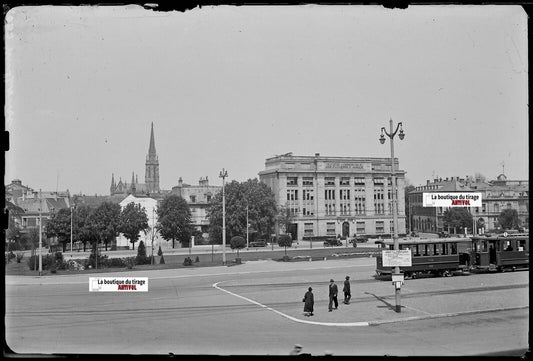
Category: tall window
[379,201]
[360,228]
[360,199]
[380,227]
[308,229]
[329,201]
[330,228]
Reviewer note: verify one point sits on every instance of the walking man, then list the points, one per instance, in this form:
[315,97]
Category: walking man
[346,290]
[333,290]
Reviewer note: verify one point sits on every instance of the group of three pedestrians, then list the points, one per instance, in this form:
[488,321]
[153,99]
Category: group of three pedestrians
[309,299]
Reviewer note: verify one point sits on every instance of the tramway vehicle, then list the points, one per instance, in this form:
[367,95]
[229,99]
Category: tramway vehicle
[500,252]
[438,256]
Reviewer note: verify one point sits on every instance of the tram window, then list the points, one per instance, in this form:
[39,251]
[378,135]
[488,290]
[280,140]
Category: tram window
[444,248]
[484,244]
[426,250]
[417,251]
[508,246]
[454,248]
[436,249]
[521,245]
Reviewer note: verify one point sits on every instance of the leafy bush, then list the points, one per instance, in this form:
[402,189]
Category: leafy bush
[159,252]
[162,260]
[197,259]
[187,261]
[10,256]
[20,255]
[102,260]
[49,262]
[141,255]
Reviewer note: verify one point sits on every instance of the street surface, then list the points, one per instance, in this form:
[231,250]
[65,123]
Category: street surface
[256,309]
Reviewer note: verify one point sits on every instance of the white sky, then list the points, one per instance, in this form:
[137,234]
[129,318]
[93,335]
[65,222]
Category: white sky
[228,87]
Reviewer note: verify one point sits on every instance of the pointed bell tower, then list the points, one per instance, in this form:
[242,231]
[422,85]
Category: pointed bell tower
[113,184]
[151,177]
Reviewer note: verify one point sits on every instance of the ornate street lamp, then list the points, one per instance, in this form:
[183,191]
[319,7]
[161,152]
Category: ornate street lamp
[391,135]
[223,175]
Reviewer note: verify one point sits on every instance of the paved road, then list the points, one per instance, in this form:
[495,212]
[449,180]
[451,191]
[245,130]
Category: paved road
[256,309]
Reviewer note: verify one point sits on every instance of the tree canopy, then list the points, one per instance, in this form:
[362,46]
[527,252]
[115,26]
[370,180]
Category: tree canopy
[285,240]
[133,219]
[508,219]
[237,242]
[262,210]
[175,220]
[104,223]
[457,218]
[59,226]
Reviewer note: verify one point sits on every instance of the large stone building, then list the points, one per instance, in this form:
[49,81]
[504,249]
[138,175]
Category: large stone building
[330,196]
[496,195]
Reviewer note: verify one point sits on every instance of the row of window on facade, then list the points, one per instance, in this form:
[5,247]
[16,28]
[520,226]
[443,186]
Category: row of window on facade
[331,181]
[309,228]
[344,194]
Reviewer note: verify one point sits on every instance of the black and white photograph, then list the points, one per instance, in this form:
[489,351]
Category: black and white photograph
[266,180]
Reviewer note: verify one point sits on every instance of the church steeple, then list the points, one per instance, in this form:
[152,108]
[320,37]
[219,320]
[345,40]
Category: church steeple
[113,184]
[133,186]
[151,177]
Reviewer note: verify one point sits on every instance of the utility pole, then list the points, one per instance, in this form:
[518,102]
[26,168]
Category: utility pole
[40,234]
[223,175]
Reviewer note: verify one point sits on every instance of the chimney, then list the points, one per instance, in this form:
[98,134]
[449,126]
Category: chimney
[427,182]
[180,182]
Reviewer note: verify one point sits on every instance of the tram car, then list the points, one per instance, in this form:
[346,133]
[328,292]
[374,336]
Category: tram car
[437,256]
[500,252]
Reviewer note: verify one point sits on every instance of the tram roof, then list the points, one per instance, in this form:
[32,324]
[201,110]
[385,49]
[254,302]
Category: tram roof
[424,240]
[501,237]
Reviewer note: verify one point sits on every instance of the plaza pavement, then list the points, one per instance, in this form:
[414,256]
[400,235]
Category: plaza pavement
[373,302]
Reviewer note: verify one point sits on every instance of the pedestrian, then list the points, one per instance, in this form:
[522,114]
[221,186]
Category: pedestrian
[333,290]
[309,300]
[297,350]
[346,290]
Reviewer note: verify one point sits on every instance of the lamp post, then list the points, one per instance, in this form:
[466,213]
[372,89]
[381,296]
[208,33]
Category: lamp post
[391,135]
[247,224]
[71,211]
[223,175]
[40,235]
[153,225]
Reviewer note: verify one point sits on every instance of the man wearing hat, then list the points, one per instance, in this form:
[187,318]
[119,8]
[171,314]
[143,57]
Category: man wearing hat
[346,290]
[333,290]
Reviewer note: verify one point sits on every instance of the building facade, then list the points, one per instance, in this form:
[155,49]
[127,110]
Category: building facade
[198,197]
[496,195]
[331,196]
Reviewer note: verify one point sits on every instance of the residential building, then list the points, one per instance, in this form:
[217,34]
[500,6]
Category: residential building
[496,195]
[330,196]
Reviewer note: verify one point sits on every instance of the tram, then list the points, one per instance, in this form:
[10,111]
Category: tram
[437,256]
[500,252]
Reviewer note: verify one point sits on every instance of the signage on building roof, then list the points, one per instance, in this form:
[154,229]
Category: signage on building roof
[340,165]
[452,199]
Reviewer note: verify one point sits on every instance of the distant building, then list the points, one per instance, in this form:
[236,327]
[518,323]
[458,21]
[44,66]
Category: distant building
[198,197]
[151,176]
[496,196]
[330,196]
[151,236]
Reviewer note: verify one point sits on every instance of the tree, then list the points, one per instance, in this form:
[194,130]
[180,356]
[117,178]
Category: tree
[237,242]
[82,230]
[457,218]
[262,209]
[508,219]
[175,220]
[285,241]
[133,219]
[285,219]
[104,223]
[59,226]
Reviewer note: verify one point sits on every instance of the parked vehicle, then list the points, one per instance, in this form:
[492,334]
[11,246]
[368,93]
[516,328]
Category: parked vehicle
[258,243]
[331,242]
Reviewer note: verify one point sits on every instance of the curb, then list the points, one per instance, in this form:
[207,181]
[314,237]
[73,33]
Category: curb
[441,315]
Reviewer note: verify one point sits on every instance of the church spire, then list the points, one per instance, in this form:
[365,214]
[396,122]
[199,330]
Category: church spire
[151,177]
[151,150]
[113,184]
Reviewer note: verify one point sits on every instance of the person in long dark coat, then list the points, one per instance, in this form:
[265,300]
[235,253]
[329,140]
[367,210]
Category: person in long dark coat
[346,290]
[333,290]
[309,300]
